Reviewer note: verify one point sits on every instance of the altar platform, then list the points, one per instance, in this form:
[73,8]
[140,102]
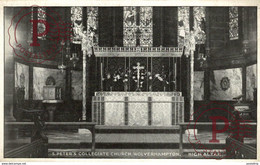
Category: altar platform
[138,108]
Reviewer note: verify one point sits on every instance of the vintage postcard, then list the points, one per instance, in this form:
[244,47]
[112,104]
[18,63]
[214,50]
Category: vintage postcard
[120,80]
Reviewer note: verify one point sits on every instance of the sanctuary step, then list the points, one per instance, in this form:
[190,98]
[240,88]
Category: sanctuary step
[137,129]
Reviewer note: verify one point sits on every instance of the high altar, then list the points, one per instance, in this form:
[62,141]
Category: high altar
[138,108]
[143,103]
[150,74]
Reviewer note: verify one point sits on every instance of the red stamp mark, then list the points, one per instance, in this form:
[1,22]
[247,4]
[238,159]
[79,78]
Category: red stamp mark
[27,43]
[225,122]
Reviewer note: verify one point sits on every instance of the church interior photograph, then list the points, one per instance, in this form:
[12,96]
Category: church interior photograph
[163,82]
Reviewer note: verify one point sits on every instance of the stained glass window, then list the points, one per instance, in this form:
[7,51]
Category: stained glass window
[129,25]
[41,15]
[77,24]
[92,23]
[183,24]
[29,39]
[199,14]
[233,23]
[142,25]
[146,26]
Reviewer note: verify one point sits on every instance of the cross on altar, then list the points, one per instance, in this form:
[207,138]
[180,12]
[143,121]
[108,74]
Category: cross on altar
[138,69]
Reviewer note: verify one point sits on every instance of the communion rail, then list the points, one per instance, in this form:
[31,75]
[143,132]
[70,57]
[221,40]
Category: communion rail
[38,148]
[35,149]
[241,150]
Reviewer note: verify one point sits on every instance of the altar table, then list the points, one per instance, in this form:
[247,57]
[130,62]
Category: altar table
[138,108]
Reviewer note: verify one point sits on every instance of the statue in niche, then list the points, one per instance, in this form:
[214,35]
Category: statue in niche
[22,81]
[50,81]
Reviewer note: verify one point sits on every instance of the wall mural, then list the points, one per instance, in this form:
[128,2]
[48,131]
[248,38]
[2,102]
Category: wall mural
[76,85]
[22,78]
[40,76]
[225,84]
[198,85]
[251,81]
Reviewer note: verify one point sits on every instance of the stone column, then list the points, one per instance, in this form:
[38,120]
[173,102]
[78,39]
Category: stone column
[191,85]
[84,90]
[9,71]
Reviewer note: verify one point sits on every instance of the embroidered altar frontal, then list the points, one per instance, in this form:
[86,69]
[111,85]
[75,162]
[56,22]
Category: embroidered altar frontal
[138,108]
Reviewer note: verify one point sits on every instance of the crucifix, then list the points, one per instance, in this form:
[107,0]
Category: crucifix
[138,69]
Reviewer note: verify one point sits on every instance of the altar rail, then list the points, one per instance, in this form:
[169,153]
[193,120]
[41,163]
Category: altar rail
[241,150]
[36,149]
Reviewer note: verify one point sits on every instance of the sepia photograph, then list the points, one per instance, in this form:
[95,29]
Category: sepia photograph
[130,82]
